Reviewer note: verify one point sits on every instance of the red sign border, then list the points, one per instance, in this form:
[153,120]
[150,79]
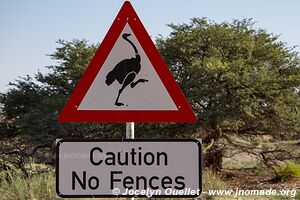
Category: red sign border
[128,15]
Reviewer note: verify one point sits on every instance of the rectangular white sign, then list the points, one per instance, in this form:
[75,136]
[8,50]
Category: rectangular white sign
[142,168]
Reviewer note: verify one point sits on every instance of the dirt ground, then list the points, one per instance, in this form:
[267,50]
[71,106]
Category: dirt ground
[254,179]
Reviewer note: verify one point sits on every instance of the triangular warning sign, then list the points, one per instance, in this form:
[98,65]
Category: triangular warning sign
[127,80]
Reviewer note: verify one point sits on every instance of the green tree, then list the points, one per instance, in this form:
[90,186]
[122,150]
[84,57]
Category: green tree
[73,58]
[239,80]
[31,106]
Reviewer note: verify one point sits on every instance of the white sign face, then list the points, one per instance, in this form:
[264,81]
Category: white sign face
[145,168]
[127,63]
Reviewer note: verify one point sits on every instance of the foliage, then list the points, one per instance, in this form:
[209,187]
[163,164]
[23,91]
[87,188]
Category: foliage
[30,108]
[239,80]
[14,186]
[287,171]
[213,181]
[73,58]
[33,104]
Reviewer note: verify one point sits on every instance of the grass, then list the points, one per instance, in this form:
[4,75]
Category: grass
[213,181]
[42,187]
[14,187]
[287,171]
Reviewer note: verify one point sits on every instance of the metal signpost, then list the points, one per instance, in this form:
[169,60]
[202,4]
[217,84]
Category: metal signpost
[130,130]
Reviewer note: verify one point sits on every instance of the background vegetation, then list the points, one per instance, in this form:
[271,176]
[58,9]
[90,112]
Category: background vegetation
[243,83]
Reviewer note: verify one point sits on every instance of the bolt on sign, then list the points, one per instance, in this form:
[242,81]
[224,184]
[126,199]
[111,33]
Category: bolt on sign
[142,168]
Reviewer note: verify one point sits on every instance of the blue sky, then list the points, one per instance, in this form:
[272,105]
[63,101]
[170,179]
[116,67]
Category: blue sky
[30,28]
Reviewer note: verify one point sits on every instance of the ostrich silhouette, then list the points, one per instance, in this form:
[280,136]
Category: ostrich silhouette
[126,71]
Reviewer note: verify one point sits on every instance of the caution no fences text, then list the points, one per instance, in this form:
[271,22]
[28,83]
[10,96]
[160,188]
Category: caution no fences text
[135,166]
[134,157]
